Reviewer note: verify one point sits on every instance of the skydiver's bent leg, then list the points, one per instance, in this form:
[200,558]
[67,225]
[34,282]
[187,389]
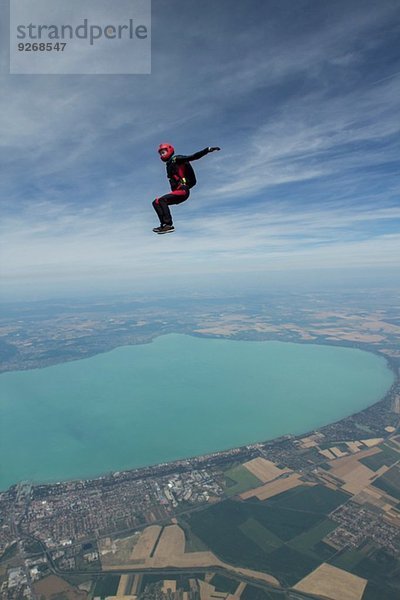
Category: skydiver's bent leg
[161,205]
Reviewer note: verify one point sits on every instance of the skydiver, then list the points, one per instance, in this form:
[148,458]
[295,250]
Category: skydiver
[181,178]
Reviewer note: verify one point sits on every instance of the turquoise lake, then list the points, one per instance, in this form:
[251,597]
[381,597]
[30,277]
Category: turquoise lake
[177,397]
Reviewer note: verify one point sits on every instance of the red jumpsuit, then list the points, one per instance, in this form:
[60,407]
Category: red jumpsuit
[181,178]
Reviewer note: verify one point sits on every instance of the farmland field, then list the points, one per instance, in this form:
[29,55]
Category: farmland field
[285,523]
[330,582]
[390,482]
[53,586]
[317,499]
[379,566]
[347,559]
[230,529]
[224,584]
[266,540]
[289,566]
[378,592]
[239,479]
[307,541]
[387,457]
[254,593]
[107,586]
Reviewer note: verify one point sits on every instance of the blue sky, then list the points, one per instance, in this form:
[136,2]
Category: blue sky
[301,95]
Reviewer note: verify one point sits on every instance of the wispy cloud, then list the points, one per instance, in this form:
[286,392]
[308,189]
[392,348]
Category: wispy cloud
[93,241]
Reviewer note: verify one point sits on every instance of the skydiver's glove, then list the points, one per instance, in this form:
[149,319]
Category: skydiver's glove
[213,149]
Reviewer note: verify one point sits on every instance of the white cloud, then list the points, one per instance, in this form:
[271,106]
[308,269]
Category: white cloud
[95,243]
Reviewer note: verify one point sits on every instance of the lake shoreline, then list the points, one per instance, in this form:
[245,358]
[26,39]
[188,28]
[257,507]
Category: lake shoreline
[390,364]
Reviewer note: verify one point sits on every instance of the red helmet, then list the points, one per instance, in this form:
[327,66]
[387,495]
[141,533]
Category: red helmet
[168,151]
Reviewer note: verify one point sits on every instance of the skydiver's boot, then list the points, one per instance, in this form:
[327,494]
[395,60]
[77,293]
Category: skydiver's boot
[164,229]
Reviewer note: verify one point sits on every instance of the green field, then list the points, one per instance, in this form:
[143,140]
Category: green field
[286,524]
[254,593]
[264,538]
[347,560]
[219,528]
[282,536]
[236,530]
[106,586]
[227,517]
[32,546]
[387,457]
[9,553]
[289,566]
[379,592]
[381,569]
[390,482]
[74,580]
[224,584]
[312,499]
[192,542]
[239,479]
[308,542]
[323,551]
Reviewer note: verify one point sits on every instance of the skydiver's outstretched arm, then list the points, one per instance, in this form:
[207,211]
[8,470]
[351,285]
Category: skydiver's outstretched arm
[180,158]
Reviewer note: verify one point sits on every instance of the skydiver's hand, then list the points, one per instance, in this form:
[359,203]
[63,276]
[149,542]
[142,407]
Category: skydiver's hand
[212,149]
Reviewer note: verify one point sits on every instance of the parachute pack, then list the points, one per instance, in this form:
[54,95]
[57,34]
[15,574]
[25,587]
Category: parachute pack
[182,172]
[189,177]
